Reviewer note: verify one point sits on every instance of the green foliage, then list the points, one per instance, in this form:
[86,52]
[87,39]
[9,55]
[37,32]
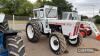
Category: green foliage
[97,19]
[24,7]
[96,16]
[84,17]
[17,7]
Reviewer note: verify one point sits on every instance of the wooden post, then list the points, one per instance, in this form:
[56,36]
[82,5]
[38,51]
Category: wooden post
[13,22]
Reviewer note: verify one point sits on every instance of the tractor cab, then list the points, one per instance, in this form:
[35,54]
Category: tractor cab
[70,16]
[47,12]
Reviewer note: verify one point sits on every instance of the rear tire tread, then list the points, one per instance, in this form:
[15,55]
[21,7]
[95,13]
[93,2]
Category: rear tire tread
[14,47]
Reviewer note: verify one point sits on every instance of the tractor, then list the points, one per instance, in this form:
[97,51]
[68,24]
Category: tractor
[60,32]
[87,28]
[10,43]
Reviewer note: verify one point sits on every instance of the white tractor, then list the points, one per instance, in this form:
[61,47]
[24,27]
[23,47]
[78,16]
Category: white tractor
[86,27]
[60,32]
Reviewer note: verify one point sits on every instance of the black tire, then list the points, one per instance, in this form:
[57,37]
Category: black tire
[61,41]
[4,26]
[35,29]
[15,46]
[78,43]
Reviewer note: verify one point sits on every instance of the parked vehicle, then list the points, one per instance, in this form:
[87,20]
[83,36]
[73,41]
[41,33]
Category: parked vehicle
[10,43]
[60,32]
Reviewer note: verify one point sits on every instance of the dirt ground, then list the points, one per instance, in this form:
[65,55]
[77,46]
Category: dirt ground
[42,47]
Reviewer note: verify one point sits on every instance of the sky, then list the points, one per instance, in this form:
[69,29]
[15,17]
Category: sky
[84,7]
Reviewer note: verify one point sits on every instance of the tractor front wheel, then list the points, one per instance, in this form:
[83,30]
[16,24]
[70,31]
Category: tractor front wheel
[57,43]
[76,41]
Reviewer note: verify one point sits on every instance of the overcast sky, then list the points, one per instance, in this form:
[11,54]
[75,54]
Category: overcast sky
[84,7]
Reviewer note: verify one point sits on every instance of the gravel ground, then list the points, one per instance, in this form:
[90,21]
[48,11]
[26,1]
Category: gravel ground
[42,47]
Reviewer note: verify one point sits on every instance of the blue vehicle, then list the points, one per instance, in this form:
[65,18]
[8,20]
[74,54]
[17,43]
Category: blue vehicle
[10,43]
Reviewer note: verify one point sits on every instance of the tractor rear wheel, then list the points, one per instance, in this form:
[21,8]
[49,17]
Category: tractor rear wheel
[57,43]
[15,46]
[33,32]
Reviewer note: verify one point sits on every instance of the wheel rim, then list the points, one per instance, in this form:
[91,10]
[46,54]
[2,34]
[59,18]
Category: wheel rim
[73,41]
[54,46]
[30,31]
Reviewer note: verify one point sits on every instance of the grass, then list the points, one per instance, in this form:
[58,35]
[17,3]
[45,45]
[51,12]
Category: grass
[17,21]
[17,24]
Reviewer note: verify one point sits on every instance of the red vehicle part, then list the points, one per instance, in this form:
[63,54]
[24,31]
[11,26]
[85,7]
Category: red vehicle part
[85,30]
[83,33]
[98,37]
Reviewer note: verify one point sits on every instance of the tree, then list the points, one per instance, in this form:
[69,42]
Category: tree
[25,9]
[16,7]
[97,19]
[96,16]
[84,17]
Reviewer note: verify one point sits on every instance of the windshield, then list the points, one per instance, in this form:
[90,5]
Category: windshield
[64,16]
[75,16]
[51,13]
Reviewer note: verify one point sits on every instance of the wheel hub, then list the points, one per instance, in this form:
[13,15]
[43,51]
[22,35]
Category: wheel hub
[55,42]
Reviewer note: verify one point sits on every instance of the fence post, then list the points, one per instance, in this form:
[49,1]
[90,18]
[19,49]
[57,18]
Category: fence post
[13,22]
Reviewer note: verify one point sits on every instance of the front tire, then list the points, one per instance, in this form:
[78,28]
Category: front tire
[33,32]
[15,46]
[76,41]
[57,43]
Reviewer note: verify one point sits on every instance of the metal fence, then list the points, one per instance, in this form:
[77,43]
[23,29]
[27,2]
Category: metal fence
[10,17]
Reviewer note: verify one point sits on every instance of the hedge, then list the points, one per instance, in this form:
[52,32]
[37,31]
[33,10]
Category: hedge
[97,20]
